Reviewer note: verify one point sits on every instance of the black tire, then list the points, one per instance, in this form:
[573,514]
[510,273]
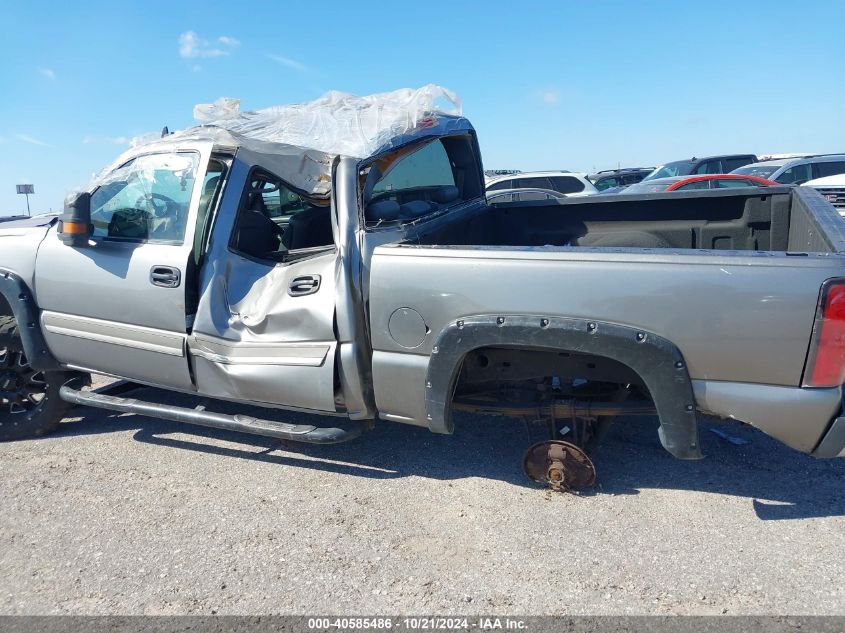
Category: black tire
[29,400]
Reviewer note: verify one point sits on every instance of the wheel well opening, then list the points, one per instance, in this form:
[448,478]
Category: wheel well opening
[542,385]
[491,368]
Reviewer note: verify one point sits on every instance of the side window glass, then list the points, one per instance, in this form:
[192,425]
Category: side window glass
[274,220]
[567,184]
[698,184]
[733,183]
[267,195]
[710,167]
[280,202]
[735,163]
[606,183]
[820,170]
[795,175]
[534,183]
[147,199]
[504,184]
[787,176]
[413,182]
[426,167]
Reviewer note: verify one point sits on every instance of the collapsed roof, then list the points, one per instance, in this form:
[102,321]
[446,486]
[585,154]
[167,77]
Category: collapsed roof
[337,123]
[306,137]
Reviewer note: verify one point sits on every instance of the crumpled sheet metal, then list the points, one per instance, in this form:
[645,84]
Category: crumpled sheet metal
[337,123]
[306,169]
[259,304]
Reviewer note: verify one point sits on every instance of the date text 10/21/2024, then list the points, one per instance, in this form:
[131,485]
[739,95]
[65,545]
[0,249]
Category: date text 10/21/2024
[417,623]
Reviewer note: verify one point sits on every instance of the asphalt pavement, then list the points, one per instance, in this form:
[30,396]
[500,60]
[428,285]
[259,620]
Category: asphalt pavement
[121,514]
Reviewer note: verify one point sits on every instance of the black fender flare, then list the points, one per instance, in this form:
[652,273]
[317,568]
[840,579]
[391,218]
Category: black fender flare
[657,361]
[24,309]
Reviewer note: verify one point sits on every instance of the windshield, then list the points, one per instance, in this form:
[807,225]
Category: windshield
[678,168]
[762,171]
[146,199]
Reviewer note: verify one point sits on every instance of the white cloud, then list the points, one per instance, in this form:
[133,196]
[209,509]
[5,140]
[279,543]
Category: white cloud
[26,138]
[192,46]
[287,61]
[231,42]
[117,140]
[48,73]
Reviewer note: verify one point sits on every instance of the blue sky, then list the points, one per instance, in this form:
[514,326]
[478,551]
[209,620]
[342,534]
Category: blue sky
[577,85]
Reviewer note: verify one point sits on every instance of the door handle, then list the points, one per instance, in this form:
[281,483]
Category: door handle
[305,285]
[165,276]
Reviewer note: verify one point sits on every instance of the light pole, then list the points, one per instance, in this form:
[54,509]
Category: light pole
[26,190]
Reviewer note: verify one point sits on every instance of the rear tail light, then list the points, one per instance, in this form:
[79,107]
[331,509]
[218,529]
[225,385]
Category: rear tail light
[826,360]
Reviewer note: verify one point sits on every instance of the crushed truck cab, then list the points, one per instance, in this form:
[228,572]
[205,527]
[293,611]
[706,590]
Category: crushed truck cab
[363,274]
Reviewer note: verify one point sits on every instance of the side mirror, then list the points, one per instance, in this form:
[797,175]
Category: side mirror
[75,222]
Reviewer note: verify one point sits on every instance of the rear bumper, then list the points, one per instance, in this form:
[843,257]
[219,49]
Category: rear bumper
[804,419]
[833,442]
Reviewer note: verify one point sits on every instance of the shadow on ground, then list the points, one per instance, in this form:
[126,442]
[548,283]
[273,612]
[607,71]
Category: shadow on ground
[782,483]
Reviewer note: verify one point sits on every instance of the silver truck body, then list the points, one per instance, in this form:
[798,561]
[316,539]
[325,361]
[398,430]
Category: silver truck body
[745,357]
[351,327]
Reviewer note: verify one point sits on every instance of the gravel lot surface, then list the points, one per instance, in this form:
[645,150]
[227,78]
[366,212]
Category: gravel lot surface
[124,514]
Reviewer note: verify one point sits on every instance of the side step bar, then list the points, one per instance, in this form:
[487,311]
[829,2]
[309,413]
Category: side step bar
[242,423]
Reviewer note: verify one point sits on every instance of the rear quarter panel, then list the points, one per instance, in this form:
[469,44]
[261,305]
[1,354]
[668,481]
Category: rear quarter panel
[736,317]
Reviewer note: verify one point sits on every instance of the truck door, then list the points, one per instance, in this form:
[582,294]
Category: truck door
[120,306]
[265,325]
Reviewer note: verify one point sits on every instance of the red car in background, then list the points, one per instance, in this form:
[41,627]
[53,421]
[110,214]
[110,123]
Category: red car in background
[720,181]
[705,181]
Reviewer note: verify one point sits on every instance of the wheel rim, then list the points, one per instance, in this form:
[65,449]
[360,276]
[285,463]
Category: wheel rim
[22,389]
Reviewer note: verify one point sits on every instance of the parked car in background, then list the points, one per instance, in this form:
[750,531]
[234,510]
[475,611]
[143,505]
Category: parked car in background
[610,178]
[489,174]
[708,181]
[720,181]
[522,195]
[8,218]
[796,171]
[707,165]
[832,188]
[570,183]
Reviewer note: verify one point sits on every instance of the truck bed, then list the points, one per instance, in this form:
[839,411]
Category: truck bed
[774,219]
[732,279]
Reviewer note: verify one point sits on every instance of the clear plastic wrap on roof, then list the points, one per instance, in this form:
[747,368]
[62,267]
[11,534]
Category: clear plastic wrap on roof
[304,138]
[337,123]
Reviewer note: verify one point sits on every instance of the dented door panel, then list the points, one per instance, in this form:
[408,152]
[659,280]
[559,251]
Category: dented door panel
[262,343]
[261,333]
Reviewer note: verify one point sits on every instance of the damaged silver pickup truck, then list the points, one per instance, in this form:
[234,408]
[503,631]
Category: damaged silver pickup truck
[219,263]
